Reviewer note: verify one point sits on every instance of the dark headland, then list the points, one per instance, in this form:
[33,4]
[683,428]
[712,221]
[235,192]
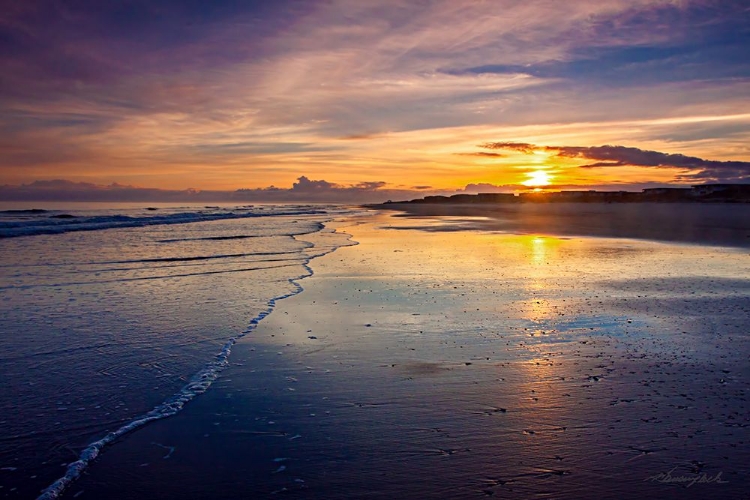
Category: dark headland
[712,214]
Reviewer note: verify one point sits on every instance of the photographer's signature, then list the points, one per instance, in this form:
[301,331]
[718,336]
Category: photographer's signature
[703,478]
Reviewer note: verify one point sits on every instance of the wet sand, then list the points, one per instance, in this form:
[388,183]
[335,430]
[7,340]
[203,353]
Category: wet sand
[726,224]
[431,361]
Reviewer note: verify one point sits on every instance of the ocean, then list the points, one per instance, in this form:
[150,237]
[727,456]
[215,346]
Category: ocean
[111,317]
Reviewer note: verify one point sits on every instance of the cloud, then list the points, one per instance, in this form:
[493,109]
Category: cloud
[484,187]
[304,190]
[510,188]
[484,154]
[364,136]
[65,190]
[305,185]
[523,147]
[622,48]
[619,156]
[371,185]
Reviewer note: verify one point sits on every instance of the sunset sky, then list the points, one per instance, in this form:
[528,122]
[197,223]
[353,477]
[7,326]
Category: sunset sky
[404,95]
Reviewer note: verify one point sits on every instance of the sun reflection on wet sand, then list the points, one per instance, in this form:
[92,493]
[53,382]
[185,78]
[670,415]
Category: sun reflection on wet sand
[431,363]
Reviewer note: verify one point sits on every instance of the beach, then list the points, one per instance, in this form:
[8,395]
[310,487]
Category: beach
[722,224]
[441,359]
[115,316]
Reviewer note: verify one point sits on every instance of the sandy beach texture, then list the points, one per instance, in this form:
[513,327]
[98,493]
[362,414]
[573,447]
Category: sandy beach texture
[432,361]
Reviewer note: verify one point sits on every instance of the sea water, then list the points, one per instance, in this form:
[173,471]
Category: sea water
[113,317]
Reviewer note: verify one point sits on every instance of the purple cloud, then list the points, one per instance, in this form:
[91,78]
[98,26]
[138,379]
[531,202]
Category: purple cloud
[304,190]
[482,154]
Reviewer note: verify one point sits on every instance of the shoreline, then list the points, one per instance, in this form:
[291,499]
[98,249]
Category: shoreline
[198,382]
[387,378]
[692,223]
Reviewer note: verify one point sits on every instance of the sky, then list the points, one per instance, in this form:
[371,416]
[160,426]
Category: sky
[396,97]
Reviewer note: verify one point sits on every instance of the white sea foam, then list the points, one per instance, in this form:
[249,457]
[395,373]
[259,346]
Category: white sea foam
[117,321]
[14,223]
[198,384]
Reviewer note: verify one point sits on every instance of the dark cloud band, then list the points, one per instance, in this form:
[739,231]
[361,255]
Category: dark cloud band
[617,156]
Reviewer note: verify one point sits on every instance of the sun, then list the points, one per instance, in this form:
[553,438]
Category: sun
[537,178]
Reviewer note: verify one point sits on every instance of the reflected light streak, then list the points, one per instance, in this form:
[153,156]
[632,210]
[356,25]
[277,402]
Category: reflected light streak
[541,256]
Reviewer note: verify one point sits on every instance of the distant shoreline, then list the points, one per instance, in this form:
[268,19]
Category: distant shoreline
[704,193]
[722,224]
